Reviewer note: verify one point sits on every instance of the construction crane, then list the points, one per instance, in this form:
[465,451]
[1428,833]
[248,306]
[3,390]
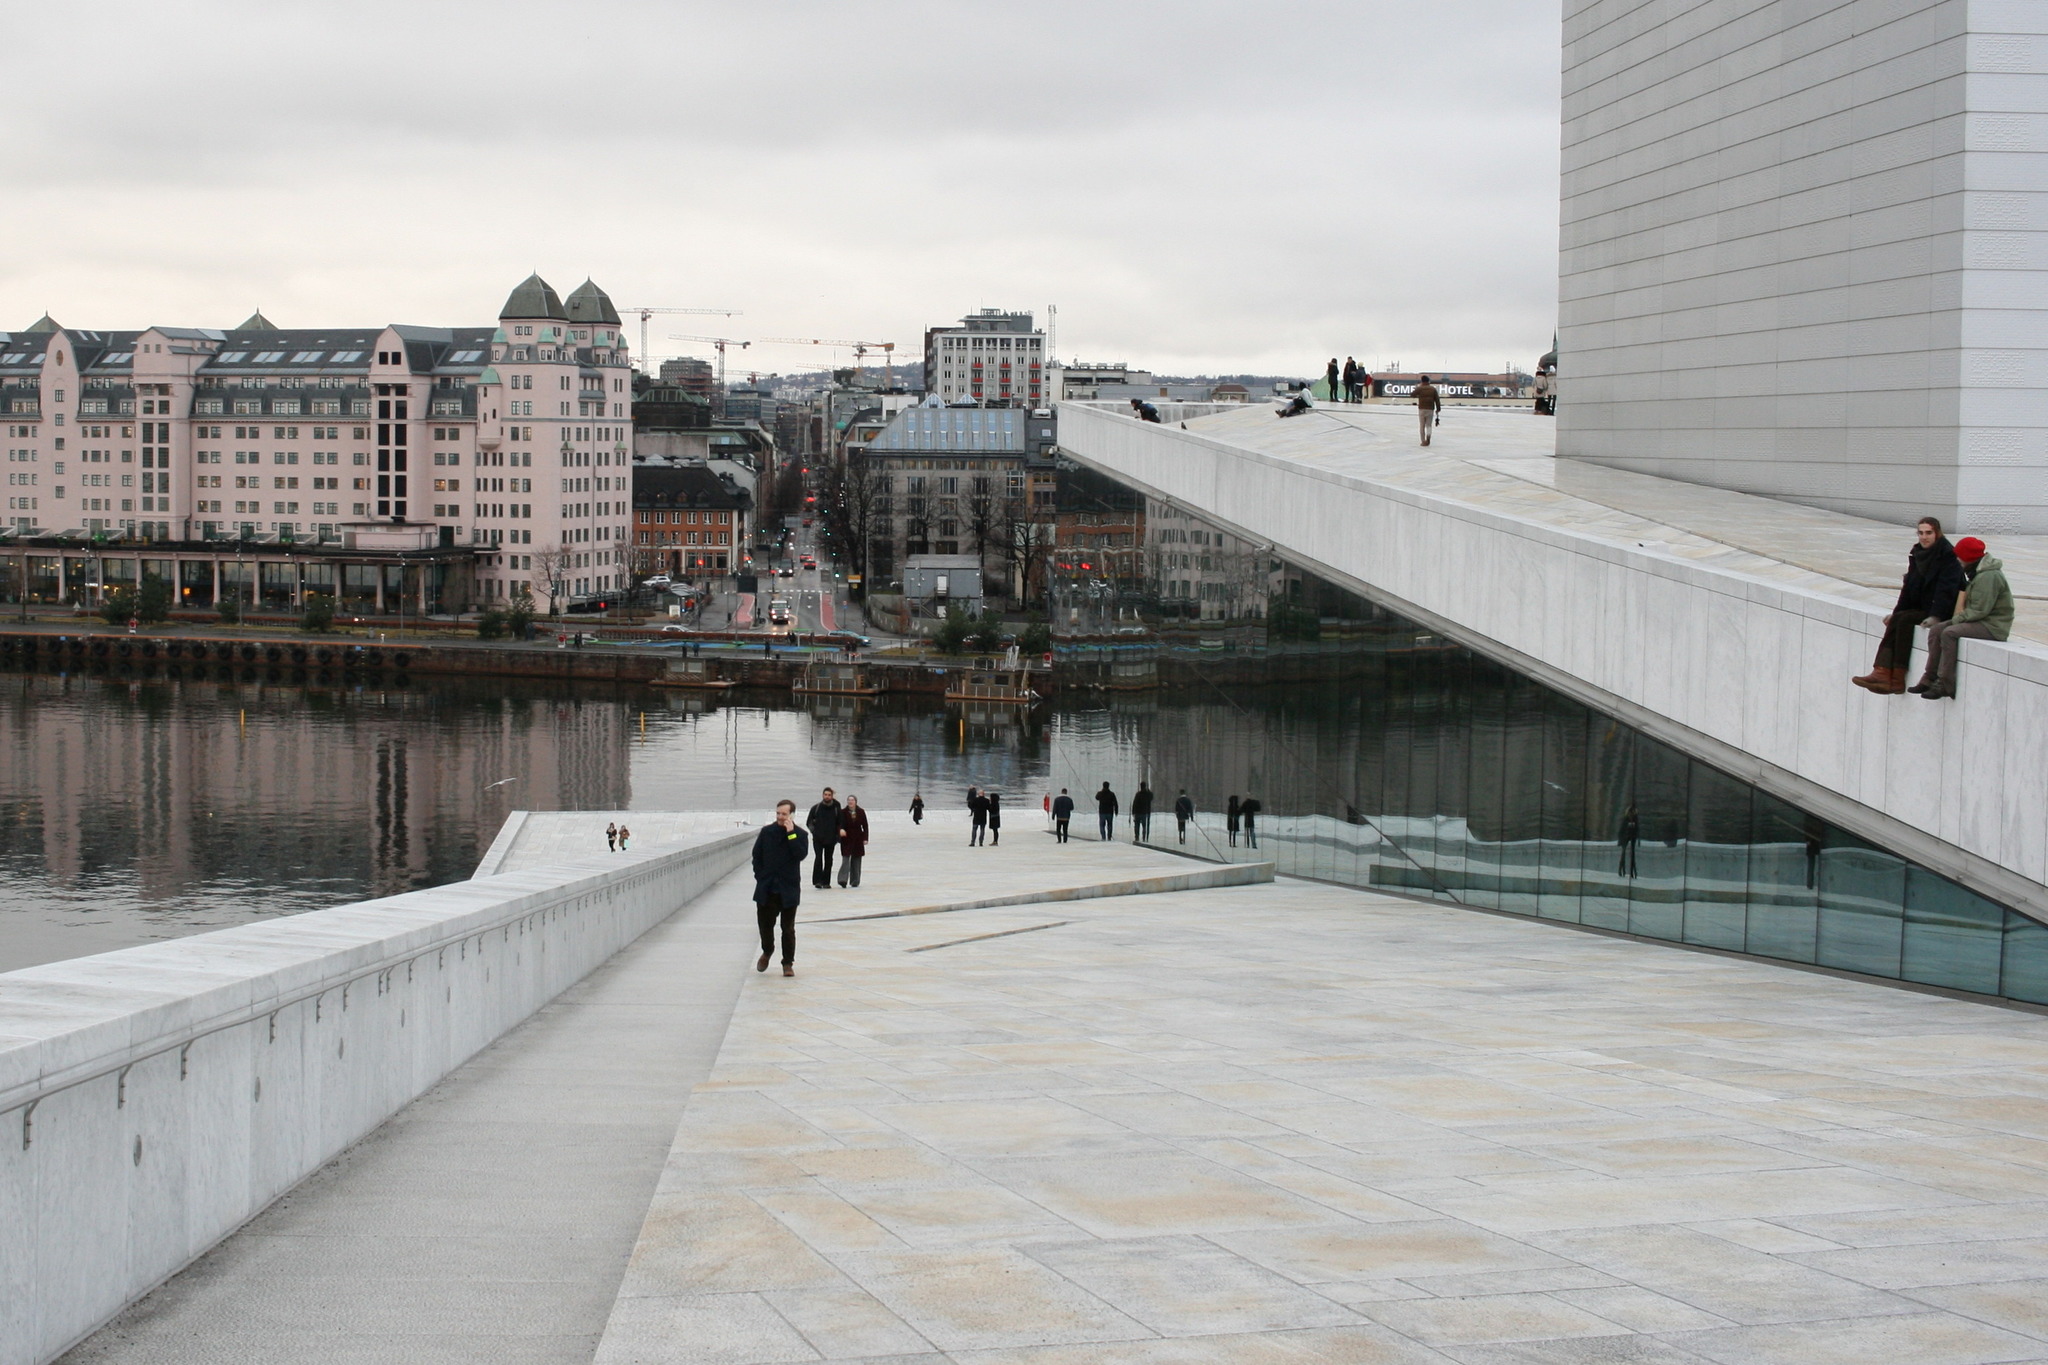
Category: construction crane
[648,312]
[860,350]
[721,343]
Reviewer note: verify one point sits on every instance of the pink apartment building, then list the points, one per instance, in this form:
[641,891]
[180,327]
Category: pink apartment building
[498,457]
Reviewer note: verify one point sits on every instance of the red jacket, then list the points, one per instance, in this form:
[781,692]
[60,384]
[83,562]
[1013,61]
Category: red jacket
[853,832]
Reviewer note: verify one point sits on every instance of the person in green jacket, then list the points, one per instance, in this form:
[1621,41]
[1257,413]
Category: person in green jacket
[1983,612]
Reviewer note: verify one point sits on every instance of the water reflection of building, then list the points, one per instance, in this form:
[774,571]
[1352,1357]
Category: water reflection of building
[187,785]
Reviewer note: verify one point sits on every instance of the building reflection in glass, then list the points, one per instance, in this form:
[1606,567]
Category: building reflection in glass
[1419,766]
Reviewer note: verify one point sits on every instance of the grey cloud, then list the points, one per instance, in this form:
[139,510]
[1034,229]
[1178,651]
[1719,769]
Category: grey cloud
[1198,185]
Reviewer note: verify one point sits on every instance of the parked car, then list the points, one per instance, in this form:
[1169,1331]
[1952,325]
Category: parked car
[660,580]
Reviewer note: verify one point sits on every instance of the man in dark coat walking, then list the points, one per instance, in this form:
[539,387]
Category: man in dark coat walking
[1141,814]
[1183,811]
[1105,814]
[1062,812]
[823,822]
[977,816]
[779,852]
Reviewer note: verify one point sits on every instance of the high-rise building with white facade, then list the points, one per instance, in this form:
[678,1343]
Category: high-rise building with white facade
[1805,251]
[514,440]
[992,358]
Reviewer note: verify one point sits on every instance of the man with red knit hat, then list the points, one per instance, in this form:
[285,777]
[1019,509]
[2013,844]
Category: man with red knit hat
[1983,612]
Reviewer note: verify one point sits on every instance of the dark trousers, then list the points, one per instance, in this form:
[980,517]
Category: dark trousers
[1105,825]
[1141,825]
[1181,822]
[977,833]
[1895,650]
[821,861]
[995,832]
[1059,831]
[1251,834]
[849,869]
[766,913]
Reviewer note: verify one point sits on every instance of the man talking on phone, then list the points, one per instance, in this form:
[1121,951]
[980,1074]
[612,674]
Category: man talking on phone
[779,852]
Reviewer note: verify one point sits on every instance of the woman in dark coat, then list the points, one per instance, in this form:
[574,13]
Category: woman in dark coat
[1230,817]
[995,818]
[853,841]
[1934,576]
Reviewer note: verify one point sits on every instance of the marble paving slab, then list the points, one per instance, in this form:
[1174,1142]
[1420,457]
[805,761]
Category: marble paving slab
[1302,1123]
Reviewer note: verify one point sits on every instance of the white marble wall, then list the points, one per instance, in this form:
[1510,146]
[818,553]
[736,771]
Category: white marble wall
[154,1099]
[1804,251]
[1754,671]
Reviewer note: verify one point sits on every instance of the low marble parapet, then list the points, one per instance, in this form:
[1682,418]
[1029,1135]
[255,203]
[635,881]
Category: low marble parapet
[154,1099]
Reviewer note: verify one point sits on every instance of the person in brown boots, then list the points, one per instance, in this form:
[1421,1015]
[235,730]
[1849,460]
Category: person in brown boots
[1934,577]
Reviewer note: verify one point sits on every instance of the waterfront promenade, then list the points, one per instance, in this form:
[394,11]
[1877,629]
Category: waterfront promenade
[1269,1122]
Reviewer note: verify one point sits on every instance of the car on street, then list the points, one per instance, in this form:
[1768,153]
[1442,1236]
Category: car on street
[660,580]
[845,639]
[778,613]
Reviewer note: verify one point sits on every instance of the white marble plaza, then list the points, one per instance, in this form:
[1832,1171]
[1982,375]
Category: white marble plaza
[1275,1122]
[1297,1123]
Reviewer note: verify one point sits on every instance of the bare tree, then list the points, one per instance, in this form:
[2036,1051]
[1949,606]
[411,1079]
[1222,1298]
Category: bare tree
[1027,542]
[863,498]
[549,564]
[917,524]
[981,508]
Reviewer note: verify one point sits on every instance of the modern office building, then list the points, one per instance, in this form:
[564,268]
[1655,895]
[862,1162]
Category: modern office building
[1805,251]
[505,443]
[960,480]
[992,358]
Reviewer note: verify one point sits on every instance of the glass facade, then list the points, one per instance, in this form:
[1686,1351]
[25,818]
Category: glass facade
[1405,762]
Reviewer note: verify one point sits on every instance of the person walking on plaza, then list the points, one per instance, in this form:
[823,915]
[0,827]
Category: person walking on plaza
[611,837]
[977,810]
[853,841]
[822,821]
[1934,577]
[1350,380]
[1248,811]
[1183,811]
[1141,814]
[1984,612]
[1105,814]
[779,852]
[1233,814]
[916,808]
[995,818]
[1062,813]
[1333,380]
[625,837]
[1625,839]
[1428,406]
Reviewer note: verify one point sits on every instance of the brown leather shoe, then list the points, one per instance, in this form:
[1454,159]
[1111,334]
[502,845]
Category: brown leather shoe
[788,969]
[1873,681]
[1894,682]
[762,965]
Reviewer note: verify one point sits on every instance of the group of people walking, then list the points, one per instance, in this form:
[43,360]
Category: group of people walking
[1240,816]
[1348,384]
[782,847]
[1953,592]
[838,830]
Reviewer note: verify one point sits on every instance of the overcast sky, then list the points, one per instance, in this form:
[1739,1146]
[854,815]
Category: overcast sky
[1198,186]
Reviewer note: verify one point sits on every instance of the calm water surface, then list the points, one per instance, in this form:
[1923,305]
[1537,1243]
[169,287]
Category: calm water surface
[139,810]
